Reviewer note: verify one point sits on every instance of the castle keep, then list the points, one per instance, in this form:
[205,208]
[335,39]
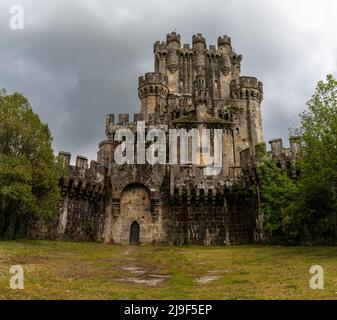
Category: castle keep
[192,86]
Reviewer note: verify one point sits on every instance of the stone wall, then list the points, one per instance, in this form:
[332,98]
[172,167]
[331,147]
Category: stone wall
[206,224]
[81,219]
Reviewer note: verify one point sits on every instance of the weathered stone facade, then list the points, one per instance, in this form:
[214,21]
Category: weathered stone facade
[192,87]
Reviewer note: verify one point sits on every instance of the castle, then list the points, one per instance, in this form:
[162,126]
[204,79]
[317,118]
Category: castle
[199,87]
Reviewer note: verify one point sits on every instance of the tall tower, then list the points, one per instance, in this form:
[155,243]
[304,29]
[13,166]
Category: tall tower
[173,61]
[225,65]
[200,87]
[202,84]
[248,93]
[153,92]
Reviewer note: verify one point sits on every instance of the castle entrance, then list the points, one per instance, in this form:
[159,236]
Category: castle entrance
[134,234]
[134,224]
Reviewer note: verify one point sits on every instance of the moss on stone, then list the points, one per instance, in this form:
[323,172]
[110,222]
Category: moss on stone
[184,119]
[216,120]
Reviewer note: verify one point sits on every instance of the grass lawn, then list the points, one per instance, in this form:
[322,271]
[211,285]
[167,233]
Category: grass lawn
[63,270]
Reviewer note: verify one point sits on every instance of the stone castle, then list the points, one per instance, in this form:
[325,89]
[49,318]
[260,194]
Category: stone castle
[195,86]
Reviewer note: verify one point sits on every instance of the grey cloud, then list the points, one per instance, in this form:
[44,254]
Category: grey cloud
[77,61]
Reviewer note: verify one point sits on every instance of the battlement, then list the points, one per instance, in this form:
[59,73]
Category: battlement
[173,37]
[277,148]
[247,88]
[224,40]
[152,78]
[160,47]
[82,181]
[65,158]
[168,57]
[80,163]
[152,84]
[236,58]
[110,118]
[295,144]
[124,120]
[198,38]
[251,82]
[286,158]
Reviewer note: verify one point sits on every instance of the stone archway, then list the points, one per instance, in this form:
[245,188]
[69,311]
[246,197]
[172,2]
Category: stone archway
[135,207]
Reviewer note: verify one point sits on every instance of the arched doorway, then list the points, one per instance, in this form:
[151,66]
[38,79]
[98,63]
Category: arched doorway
[135,212]
[134,234]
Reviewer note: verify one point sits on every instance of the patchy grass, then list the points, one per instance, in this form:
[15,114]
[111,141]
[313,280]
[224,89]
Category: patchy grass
[64,270]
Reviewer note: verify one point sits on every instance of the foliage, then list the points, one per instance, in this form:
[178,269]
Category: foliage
[277,191]
[313,215]
[306,212]
[28,170]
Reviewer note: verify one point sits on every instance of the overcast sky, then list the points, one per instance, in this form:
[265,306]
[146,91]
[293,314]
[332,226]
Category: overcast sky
[78,60]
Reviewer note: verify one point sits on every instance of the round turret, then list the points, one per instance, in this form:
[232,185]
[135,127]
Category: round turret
[152,84]
[247,88]
[173,44]
[224,41]
[199,42]
[173,40]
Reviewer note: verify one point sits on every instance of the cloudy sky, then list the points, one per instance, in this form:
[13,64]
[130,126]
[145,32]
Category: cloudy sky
[78,60]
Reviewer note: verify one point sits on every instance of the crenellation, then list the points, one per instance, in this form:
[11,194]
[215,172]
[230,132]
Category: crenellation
[160,47]
[276,146]
[173,37]
[295,144]
[65,158]
[137,117]
[224,40]
[247,88]
[110,119]
[123,119]
[81,183]
[198,38]
[82,162]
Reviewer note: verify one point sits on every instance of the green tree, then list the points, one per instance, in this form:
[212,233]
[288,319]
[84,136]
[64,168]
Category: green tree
[28,169]
[276,191]
[312,218]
